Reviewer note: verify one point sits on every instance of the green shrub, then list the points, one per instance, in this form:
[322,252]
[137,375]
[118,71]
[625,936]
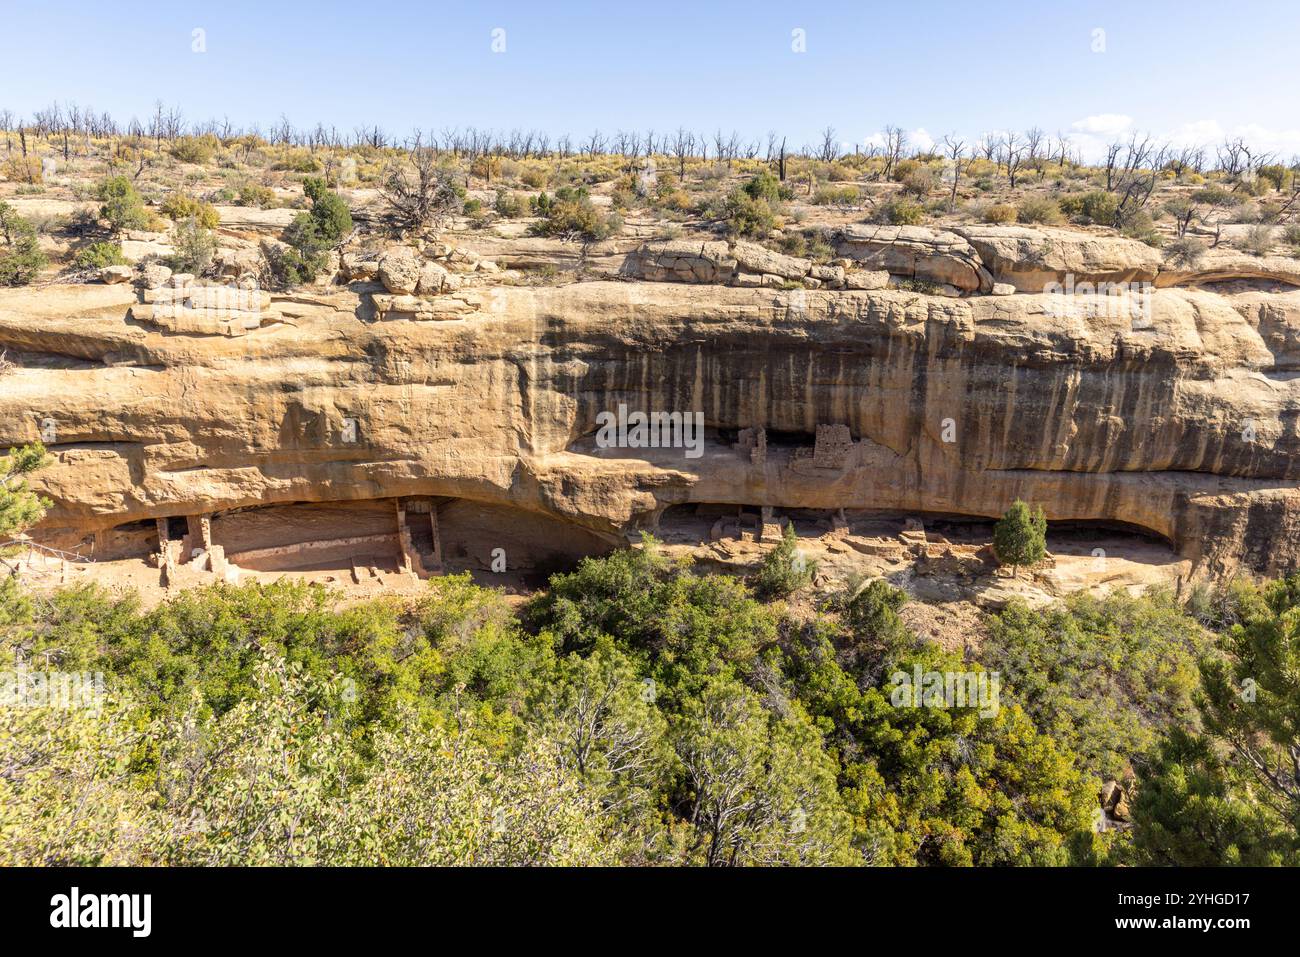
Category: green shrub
[329,211]
[897,211]
[1039,209]
[194,247]
[999,213]
[178,206]
[1105,676]
[1020,536]
[98,255]
[767,187]
[1097,207]
[747,216]
[21,257]
[255,194]
[311,236]
[1185,251]
[812,244]
[1259,240]
[784,570]
[508,205]
[837,196]
[195,149]
[289,267]
[123,206]
[571,214]
[1291,236]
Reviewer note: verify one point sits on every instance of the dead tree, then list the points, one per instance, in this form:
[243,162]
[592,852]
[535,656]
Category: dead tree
[954,148]
[682,147]
[1136,179]
[895,144]
[423,195]
[830,148]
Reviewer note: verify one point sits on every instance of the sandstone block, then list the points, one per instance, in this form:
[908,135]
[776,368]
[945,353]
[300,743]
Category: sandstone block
[399,270]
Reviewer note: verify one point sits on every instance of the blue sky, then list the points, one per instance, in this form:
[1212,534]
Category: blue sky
[1188,70]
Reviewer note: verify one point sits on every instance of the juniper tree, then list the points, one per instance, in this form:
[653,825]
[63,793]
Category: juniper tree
[1020,536]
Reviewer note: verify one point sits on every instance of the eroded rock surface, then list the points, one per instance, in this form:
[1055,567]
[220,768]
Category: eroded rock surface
[1184,424]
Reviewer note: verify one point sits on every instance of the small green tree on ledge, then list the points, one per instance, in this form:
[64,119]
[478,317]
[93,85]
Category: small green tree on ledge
[784,570]
[1020,536]
[20,507]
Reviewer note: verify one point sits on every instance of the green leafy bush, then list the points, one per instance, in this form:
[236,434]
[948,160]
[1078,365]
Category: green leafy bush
[311,236]
[900,212]
[1106,677]
[1039,209]
[1096,207]
[837,196]
[999,213]
[571,214]
[21,257]
[744,215]
[784,570]
[123,206]
[195,149]
[508,205]
[194,245]
[177,206]
[1020,536]
[767,187]
[98,255]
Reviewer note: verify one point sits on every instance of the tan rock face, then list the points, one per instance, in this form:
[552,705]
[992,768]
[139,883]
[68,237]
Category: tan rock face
[1185,424]
[916,252]
[1030,258]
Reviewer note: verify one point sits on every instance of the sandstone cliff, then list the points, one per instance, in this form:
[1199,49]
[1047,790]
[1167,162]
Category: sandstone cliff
[1181,420]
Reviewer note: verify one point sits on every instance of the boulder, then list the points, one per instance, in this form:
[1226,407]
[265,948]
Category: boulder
[116,274]
[433,278]
[399,270]
[866,279]
[238,262]
[134,250]
[359,266]
[1032,258]
[682,260]
[153,275]
[916,252]
[753,258]
[832,276]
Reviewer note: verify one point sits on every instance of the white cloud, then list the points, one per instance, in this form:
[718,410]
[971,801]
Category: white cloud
[1284,143]
[1092,134]
[921,140]
[1200,133]
[1103,124]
